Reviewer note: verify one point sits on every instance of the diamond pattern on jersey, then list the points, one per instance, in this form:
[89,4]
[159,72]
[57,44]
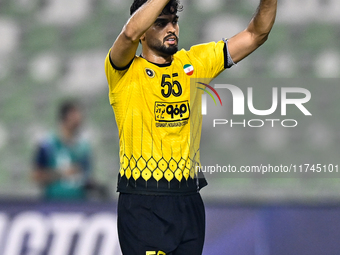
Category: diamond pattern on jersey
[151,168]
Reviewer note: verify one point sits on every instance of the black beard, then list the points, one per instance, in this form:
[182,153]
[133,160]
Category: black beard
[162,49]
[169,51]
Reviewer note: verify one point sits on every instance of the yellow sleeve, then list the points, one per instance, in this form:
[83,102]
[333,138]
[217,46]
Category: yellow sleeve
[114,75]
[211,56]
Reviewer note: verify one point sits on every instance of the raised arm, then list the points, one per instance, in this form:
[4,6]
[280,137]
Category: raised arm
[124,48]
[245,42]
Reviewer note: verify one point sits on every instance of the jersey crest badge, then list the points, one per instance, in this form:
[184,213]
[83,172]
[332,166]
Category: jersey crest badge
[188,69]
[150,72]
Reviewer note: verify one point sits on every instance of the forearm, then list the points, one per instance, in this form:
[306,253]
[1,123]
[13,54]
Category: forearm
[245,42]
[44,177]
[263,20]
[143,18]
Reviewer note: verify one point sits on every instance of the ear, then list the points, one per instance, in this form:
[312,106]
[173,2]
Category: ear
[142,38]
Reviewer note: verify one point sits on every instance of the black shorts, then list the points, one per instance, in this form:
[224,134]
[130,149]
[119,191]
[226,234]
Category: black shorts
[161,224]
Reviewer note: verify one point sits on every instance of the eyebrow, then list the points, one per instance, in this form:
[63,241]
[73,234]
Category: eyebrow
[161,19]
[165,19]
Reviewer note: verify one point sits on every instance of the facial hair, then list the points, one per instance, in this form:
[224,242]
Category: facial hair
[157,45]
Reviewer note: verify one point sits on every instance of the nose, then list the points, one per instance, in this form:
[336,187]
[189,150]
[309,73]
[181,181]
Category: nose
[172,28]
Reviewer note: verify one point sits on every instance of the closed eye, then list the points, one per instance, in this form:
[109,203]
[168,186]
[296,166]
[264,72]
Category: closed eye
[161,24]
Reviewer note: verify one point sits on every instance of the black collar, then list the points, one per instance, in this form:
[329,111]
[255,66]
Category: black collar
[159,65]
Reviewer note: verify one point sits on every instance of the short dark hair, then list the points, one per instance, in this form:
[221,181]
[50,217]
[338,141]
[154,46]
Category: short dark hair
[172,7]
[66,107]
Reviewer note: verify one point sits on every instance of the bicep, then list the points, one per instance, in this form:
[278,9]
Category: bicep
[123,51]
[241,45]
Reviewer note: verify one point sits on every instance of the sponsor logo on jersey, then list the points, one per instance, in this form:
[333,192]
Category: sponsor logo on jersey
[150,72]
[189,69]
[172,112]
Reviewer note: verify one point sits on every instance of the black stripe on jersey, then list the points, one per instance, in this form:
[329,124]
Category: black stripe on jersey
[225,52]
[228,61]
[120,68]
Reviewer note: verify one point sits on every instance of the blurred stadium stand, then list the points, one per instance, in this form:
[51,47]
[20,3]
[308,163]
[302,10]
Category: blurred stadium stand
[52,49]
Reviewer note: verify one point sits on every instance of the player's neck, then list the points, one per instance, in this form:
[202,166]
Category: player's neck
[156,58]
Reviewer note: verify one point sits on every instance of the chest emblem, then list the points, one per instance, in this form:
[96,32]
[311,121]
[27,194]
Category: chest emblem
[188,69]
[150,72]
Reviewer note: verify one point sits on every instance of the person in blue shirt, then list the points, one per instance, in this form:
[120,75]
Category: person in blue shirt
[62,162]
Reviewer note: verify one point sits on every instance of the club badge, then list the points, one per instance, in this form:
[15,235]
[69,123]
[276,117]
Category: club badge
[150,72]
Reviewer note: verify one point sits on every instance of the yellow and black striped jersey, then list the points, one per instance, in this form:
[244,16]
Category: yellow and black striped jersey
[158,114]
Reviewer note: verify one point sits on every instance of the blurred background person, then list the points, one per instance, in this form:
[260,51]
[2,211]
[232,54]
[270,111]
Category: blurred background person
[63,159]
